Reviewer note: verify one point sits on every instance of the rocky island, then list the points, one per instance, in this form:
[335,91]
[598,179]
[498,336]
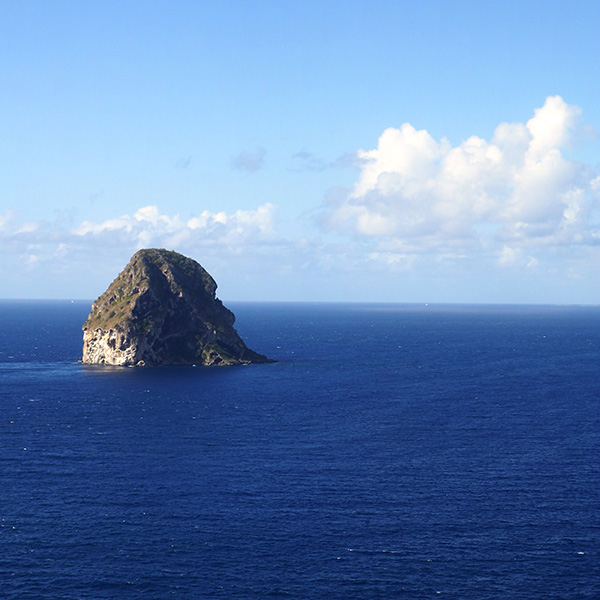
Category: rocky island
[162,310]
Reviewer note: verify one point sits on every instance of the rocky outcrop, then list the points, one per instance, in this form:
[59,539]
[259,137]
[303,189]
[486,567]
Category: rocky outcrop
[162,310]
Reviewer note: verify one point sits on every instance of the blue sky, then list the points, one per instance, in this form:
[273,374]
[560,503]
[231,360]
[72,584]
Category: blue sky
[343,151]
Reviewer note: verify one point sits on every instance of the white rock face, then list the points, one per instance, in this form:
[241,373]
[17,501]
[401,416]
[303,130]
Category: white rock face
[109,348]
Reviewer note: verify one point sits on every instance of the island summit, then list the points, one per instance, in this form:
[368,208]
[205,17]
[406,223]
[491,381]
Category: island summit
[162,310]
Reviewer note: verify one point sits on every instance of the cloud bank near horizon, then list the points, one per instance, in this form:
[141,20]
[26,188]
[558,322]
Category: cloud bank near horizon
[146,227]
[420,208]
[149,227]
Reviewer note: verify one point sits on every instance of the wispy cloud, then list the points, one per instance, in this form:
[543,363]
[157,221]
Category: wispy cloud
[183,162]
[307,161]
[249,161]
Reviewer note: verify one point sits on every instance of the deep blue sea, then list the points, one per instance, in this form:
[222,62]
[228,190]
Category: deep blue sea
[392,452]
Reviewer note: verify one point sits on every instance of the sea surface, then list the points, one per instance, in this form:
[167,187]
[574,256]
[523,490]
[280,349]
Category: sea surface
[392,452]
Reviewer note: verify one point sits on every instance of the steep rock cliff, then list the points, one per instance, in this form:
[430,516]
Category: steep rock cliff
[162,310]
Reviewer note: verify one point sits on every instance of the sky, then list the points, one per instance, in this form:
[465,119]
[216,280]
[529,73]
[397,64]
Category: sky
[355,151]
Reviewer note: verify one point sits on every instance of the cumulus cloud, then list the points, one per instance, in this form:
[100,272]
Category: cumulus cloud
[149,227]
[220,233]
[249,161]
[419,194]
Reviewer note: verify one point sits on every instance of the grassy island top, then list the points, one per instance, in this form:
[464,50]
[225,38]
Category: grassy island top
[165,272]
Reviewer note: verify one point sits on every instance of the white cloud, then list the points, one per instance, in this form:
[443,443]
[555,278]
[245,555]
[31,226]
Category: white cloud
[28,227]
[516,257]
[405,153]
[417,194]
[148,226]
[426,219]
[393,260]
[552,125]
[4,220]
[221,234]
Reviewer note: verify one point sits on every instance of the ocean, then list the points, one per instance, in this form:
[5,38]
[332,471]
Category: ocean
[392,452]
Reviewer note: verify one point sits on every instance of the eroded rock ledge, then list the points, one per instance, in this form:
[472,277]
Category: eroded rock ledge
[162,310]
